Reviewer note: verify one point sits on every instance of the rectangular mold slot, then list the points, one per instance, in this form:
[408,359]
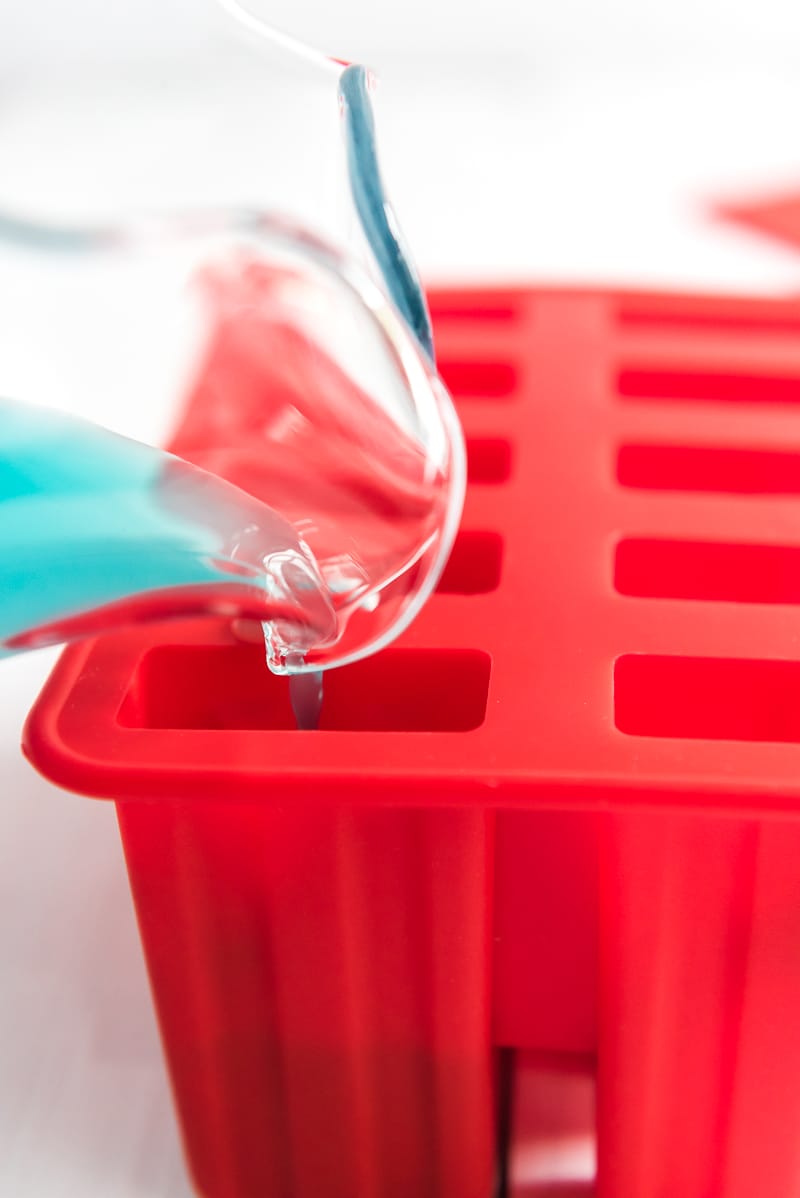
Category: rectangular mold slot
[700,386]
[712,570]
[663,317]
[488,460]
[463,310]
[478,380]
[474,565]
[708,698]
[697,468]
[215,687]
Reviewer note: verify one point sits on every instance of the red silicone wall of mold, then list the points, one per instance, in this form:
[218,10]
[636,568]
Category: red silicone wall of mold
[519,842]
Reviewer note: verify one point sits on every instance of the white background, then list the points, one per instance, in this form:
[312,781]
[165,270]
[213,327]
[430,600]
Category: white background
[566,141]
[52,33]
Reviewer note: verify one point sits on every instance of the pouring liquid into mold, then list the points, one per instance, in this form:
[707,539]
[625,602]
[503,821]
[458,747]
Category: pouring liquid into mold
[335,426]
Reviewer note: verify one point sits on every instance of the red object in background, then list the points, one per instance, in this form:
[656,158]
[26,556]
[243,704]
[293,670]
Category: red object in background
[560,816]
[774,216]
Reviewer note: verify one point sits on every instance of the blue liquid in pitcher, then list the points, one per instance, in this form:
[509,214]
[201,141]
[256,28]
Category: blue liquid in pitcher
[97,530]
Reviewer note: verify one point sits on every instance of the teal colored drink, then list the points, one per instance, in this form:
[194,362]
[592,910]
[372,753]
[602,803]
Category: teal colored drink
[97,530]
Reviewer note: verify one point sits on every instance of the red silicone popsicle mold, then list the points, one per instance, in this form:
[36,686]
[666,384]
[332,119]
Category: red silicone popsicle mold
[559,816]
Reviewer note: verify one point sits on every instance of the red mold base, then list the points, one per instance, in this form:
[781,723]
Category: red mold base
[559,815]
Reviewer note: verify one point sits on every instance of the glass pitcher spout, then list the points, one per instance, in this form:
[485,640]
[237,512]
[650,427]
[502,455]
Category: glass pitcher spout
[97,530]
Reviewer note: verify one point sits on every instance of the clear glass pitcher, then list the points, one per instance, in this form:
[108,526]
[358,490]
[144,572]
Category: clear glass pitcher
[273,316]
